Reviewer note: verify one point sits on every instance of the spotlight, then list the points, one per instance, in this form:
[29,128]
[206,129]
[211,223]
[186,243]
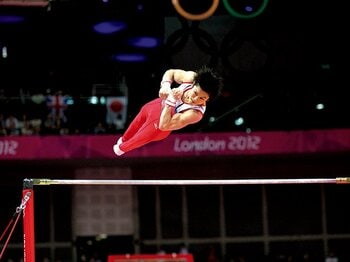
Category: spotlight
[320,106]
[93,100]
[4,53]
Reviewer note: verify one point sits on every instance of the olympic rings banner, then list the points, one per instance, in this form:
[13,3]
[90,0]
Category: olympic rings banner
[215,3]
[177,145]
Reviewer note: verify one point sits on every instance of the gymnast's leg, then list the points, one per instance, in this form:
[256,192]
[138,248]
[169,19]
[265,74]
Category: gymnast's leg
[136,124]
[149,132]
[143,129]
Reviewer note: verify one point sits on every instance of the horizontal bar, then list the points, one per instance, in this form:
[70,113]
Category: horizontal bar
[130,182]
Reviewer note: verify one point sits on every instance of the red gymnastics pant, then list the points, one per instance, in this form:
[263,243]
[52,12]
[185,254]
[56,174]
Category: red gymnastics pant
[144,128]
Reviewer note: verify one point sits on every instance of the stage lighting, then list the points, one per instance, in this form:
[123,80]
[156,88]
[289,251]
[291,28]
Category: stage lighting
[144,41]
[11,19]
[130,57]
[109,27]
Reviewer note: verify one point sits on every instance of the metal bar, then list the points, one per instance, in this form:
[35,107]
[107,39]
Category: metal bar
[339,180]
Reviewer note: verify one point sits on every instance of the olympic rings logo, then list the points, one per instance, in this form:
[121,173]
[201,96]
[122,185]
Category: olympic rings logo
[213,8]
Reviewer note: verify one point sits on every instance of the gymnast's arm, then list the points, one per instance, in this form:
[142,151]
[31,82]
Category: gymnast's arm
[171,75]
[178,75]
[169,121]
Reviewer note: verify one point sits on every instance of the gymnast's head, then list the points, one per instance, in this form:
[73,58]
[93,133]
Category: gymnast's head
[209,81]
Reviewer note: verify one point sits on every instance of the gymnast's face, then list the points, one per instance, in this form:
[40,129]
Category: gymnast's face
[196,96]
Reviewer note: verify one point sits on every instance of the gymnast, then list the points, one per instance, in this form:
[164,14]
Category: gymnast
[175,108]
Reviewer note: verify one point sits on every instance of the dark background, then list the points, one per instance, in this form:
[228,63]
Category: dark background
[276,66]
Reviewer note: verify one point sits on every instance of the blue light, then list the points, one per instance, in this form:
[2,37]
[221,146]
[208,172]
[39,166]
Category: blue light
[239,121]
[249,9]
[93,100]
[70,100]
[144,41]
[109,27]
[11,19]
[130,57]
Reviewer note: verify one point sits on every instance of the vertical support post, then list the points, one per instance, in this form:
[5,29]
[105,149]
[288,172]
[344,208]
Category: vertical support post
[28,222]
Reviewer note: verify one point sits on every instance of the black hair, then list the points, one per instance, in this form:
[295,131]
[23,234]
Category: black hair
[209,81]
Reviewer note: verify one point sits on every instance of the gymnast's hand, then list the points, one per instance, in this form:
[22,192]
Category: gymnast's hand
[165,90]
[177,93]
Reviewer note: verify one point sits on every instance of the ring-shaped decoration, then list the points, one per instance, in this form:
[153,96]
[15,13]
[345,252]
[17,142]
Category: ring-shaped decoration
[190,16]
[234,13]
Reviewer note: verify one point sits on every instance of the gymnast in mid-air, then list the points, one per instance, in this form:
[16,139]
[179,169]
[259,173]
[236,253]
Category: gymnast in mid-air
[175,108]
